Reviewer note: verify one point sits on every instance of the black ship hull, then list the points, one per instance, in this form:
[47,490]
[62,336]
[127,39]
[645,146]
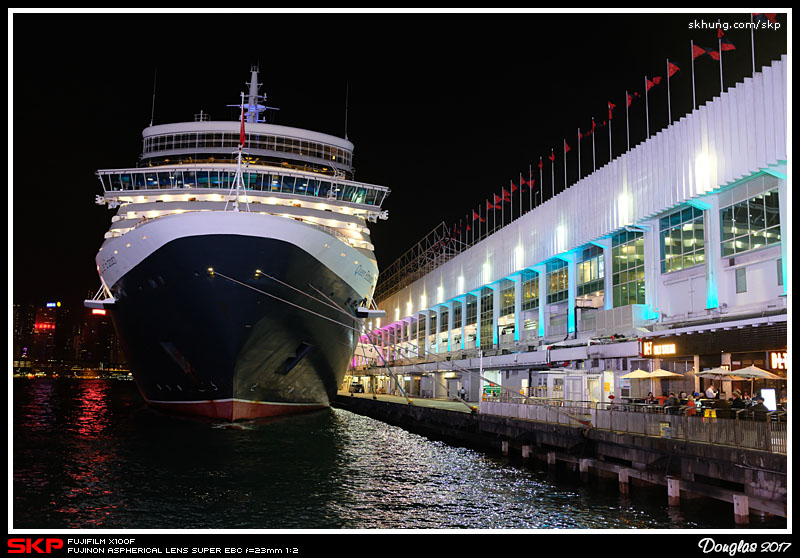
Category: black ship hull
[236,342]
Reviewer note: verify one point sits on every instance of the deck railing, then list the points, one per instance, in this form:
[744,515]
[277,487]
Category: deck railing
[766,431]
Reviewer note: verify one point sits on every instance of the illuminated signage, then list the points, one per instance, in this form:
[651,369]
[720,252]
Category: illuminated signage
[651,349]
[777,360]
[98,311]
[53,305]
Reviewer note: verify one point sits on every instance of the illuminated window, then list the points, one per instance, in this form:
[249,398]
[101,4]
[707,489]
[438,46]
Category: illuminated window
[530,290]
[506,297]
[627,256]
[487,317]
[590,269]
[682,239]
[750,224]
[557,285]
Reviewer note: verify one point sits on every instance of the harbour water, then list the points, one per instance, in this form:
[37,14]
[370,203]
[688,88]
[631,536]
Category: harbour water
[88,454]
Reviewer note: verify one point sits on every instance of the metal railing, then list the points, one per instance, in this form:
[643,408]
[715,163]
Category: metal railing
[766,431]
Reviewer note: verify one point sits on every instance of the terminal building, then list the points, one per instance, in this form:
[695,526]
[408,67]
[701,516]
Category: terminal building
[672,256]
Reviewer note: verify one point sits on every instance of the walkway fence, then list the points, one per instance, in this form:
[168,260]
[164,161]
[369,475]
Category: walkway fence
[764,431]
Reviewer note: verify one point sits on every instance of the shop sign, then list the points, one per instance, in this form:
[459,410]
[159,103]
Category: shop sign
[777,360]
[651,349]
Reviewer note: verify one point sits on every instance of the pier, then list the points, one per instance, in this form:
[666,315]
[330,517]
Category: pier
[688,466]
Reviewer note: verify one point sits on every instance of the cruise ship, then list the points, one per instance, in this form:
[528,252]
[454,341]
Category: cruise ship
[238,267]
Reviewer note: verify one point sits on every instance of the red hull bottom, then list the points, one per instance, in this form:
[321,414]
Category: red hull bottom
[234,409]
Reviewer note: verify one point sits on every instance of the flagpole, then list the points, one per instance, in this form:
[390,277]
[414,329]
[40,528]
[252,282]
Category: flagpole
[511,199]
[530,187]
[721,84]
[694,102]
[579,152]
[646,108]
[752,45]
[594,164]
[541,184]
[610,152]
[520,194]
[553,173]
[565,164]
[627,120]
[669,106]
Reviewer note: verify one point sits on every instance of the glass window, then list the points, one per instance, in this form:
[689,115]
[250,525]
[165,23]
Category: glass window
[487,317]
[628,268]
[506,298]
[557,284]
[750,224]
[741,280]
[682,239]
[590,269]
[530,290]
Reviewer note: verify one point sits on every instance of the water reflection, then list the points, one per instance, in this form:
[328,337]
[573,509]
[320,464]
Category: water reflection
[89,454]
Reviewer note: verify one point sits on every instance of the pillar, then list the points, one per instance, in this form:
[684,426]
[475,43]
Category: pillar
[463,322]
[450,306]
[495,315]
[518,322]
[712,239]
[583,467]
[426,345]
[437,334]
[624,482]
[504,445]
[526,452]
[741,509]
[673,492]
[541,276]
[551,460]
[783,204]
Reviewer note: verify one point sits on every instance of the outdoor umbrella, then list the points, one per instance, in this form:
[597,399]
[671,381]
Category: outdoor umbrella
[639,374]
[754,372]
[660,373]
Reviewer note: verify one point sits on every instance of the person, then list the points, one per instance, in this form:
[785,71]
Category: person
[711,393]
[759,409]
[672,404]
[463,393]
[691,406]
[650,399]
[737,402]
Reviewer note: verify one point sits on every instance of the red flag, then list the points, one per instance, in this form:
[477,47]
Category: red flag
[566,147]
[724,43]
[672,70]
[700,51]
[506,195]
[513,187]
[522,181]
[552,156]
[651,84]
[761,17]
[580,135]
[475,215]
[489,205]
[629,98]
[611,106]
[468,227]
[497,200]
[540,163]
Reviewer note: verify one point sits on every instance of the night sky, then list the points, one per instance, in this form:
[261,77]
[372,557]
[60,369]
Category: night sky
[444,109]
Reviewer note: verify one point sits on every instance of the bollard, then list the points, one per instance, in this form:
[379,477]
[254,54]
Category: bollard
[624,482]
[674,492]
[741,509]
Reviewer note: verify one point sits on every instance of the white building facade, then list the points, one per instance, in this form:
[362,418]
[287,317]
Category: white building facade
[688,228]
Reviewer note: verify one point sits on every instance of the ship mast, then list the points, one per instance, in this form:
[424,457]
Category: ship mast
[238,180]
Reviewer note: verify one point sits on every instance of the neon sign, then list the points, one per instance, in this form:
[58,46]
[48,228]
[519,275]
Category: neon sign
[651,349]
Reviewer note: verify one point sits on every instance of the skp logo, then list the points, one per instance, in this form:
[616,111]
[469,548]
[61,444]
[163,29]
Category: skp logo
[29,546]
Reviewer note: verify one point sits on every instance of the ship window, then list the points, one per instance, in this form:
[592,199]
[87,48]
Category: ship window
[287,184]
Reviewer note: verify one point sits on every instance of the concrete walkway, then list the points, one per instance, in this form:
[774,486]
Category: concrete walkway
[446,404]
